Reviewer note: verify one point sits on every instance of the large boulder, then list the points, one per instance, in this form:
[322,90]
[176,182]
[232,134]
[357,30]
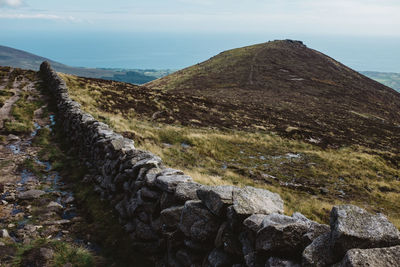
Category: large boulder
[217,198]
[281,234]
[250,200]
[197,222]
[353,227]
[375,257]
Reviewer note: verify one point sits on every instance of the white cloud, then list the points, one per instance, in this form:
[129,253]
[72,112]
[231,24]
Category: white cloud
[10,3]
[38,16]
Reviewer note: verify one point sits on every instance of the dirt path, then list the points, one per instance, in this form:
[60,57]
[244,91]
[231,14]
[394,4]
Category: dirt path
[37,210]
[5,110]
[253,64]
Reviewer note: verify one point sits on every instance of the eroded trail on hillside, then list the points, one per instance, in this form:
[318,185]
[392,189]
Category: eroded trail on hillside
[39,221]
[6,108]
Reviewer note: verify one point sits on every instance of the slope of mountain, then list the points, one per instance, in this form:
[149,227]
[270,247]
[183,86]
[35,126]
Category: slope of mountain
[278,115]
[286,87]
[389,79]
[24,60]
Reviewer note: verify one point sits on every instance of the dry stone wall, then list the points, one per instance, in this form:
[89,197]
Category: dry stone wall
[177,222]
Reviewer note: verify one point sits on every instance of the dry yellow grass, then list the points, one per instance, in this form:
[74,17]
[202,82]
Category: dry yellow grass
[310,179]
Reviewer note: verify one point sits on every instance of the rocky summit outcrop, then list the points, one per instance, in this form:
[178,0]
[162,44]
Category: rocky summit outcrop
[177,222]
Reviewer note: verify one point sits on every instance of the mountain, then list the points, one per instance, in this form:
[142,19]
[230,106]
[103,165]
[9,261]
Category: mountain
[24,60]
[286,87]
[276,115]
[387,78]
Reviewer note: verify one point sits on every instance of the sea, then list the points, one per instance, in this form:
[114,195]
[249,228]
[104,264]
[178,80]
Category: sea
[162,50]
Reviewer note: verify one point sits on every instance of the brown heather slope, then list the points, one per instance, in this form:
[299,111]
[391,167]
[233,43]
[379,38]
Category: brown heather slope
[256,133]
[285,87]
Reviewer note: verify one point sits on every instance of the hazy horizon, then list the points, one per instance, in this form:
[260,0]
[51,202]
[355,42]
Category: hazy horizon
[178,33]
[179,50]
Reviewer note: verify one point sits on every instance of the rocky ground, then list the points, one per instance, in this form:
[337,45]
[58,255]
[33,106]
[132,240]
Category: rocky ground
[40,224]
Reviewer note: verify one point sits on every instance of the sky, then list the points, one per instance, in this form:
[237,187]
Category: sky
[263,19]
[353,17]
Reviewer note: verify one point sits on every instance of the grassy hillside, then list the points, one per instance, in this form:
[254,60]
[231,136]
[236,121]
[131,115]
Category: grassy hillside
[389,79]
[24,60]
[309,177]
[285,87]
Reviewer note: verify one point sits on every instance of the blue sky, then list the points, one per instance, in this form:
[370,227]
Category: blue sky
[363,34]
[345,17]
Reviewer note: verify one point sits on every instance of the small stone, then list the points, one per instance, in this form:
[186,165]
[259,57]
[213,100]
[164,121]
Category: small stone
[19,216]
[12,138]
[187,258]
[69,199]
[149,194]
[219,258]
[31,194]
[278,262]
[144,231]
[2,244]
[319,252]
[30,228]
[58,222]
[10,197]
[54,206]
[254,222]
[47,253]
[4,233]
[171,216]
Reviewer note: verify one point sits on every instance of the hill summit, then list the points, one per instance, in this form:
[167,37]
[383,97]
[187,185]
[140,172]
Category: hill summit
[287,87]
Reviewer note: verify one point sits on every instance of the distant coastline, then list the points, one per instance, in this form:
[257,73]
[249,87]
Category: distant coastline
[180,50]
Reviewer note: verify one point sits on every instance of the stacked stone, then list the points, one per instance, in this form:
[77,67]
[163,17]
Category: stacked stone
[177,222]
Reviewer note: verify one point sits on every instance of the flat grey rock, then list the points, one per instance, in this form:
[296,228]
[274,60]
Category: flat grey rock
[169,183]
[250,200]
[187,191]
